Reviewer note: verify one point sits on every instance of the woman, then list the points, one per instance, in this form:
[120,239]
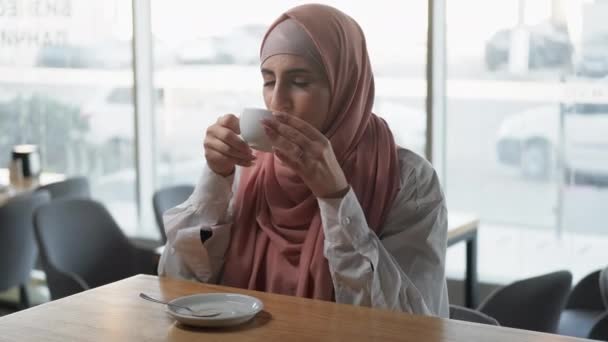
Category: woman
[337,211]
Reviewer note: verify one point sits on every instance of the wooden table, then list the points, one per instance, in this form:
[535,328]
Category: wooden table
[115,313]
[464,227]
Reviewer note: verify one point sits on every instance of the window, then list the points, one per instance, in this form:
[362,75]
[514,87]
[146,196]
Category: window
[124,96]
[526,141]
[217,70]
[61,63]
[526,123]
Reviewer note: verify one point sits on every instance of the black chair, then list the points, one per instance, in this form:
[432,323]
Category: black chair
[586,306]
[167,198]
[82,247]
[600,328]
[469,315]
[531,304]
[17,244]
[74,187]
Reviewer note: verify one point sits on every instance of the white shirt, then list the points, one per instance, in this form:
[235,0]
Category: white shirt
[401,269]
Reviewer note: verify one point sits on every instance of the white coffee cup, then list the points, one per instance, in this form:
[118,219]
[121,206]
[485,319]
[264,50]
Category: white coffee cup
[252,130]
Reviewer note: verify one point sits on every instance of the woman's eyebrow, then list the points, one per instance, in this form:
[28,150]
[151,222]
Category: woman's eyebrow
[298,71]
[288,71]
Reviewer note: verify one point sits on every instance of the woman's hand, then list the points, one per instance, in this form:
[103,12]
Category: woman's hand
[224,148]
[308,152]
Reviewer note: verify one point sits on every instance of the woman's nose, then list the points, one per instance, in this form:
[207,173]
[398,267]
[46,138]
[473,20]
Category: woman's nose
[281,100]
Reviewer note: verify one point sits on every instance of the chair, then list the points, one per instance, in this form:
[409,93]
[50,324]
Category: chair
[586,306]
[469,315]
[599,331]
[17,244]
[531,304]
[74,187]
[82,247]
[167,198]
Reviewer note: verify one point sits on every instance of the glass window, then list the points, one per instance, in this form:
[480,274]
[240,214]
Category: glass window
[120,96]
[526,142]
[65,74]
[216,70]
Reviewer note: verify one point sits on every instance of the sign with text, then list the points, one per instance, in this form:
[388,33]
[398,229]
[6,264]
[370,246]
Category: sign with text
[59,27]
[34,23]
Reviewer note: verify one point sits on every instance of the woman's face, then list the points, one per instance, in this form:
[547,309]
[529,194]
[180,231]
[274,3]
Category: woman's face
[295,86]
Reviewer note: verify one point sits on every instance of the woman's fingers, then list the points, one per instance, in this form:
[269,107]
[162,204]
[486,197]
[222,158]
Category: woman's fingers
[231,122]
[227,150]
[282,143]
[284,158]
[298,142]
[213,155]
[300,125]
[229,137]
[224,148]
[288,132]
[292,142]
[307,151]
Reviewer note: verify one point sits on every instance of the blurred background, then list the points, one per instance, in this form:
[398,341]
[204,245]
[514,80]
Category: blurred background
[525,144]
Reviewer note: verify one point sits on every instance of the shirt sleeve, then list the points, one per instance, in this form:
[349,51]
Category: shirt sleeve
[402,268]
[208,208]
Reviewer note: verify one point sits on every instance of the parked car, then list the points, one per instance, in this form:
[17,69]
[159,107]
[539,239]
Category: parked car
[550,46]
[530,141]
[593,58]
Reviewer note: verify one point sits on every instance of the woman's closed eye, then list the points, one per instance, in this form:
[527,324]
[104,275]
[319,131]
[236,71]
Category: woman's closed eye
[302,83]
[296,82]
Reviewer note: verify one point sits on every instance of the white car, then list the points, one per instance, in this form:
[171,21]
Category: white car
[530,141]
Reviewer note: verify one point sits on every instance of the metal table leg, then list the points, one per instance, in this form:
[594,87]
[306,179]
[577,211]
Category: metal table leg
[470,290]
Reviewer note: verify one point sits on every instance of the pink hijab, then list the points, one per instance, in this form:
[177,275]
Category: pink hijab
[277,237]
